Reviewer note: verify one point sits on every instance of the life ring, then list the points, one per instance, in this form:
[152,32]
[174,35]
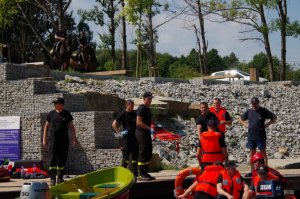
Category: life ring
[180,178]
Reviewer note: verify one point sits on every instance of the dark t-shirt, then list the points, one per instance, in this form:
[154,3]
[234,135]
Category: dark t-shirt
[144,112]
[202,120]
[256,129]
[128,121]
[59,123]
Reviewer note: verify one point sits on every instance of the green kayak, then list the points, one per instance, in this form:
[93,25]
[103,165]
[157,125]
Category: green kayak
[108,183]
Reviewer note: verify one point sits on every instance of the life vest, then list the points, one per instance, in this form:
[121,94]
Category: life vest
[180,178]
[221,117]
[274,172]
[207,181]
[211,149]
[258,179]
[232,185]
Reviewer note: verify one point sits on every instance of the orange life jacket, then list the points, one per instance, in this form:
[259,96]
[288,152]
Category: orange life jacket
[207,181]
[232,185]
[221,117]
[211,149]
[270,176]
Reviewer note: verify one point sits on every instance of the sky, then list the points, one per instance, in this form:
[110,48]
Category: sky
[176,39]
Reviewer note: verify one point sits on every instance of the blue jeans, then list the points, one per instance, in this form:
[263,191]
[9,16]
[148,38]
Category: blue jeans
[253,144]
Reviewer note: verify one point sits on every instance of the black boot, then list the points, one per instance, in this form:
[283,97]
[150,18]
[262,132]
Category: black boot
[124,164]
[135,169]
[52,173]
[61,173]
[144,176]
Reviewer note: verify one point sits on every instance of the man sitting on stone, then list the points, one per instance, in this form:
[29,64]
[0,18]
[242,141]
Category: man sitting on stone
[85,60]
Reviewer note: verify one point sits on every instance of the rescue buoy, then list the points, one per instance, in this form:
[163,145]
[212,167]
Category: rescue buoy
[180,178]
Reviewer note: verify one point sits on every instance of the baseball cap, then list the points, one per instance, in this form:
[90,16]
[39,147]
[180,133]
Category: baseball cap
[230,163]
[212,123]
[254,100]
[147,94]
[59,100]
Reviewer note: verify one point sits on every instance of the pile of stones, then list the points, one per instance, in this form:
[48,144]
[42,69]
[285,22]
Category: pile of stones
[283,137]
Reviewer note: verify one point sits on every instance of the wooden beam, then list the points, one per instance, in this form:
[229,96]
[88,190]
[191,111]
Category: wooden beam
[112,73]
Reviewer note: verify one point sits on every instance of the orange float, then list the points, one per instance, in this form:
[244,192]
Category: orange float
[180,178]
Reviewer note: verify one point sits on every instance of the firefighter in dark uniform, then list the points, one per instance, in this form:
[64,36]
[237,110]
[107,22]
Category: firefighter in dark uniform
[129,143]
[143,135]
[60,121]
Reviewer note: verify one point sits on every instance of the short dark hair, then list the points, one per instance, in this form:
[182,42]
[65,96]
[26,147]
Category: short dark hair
[129,101]
[147,94]
[83,41]
[212,123]
[204,103]
[218,99]
[254,100]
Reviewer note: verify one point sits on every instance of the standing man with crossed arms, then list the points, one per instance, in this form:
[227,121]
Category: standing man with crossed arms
[222,115]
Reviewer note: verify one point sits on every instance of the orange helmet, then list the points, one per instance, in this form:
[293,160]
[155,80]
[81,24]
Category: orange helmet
[257,156]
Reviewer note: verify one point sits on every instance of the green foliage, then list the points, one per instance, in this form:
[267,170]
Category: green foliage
[231,61]
[182,71]
[215,62]
[109,65]
[8,12]
[163,61]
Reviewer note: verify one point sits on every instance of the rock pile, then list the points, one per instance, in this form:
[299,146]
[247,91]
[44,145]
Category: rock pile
[283,137]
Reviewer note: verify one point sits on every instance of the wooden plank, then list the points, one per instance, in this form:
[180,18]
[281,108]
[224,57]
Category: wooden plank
[113,72]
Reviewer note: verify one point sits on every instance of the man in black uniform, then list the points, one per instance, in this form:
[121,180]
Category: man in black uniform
[60,121]
[143,135]
[129,143]
[203,118]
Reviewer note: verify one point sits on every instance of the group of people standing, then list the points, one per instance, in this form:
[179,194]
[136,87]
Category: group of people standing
[220,178]
[83,61]
[136,131]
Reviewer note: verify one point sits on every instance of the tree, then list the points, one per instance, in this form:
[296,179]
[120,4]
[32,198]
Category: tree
[197,10]
[250,13]
[97,15]
[231,61]
[124,62]
[8,12]
[214,61]
[286,28]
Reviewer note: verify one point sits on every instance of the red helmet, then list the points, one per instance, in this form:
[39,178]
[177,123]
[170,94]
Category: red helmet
[257,156]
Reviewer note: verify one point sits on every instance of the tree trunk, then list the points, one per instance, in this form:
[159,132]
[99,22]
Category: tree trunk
[199,51]
[124,41]
[282,7]
[267,42]
[202,32]
[151,43]
[112,32]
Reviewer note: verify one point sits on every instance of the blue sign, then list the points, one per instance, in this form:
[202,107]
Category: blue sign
[10,138]
[10,144]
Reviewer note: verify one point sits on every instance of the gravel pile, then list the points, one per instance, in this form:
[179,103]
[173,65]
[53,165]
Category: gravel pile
[283,137]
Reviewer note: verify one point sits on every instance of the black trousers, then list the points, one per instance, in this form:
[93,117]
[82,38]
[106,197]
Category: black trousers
[130,147]
[202,195]
[144,145]
[58,153]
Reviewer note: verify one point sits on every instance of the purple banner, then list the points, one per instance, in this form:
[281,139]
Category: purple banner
[10,144]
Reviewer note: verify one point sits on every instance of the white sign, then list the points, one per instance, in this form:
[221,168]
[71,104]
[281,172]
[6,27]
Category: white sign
[10,122]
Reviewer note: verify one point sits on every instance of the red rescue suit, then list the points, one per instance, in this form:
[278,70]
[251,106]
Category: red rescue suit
[234,185]
[274,172]
[211,149]
[258,179]
[221,117]
[207,181]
